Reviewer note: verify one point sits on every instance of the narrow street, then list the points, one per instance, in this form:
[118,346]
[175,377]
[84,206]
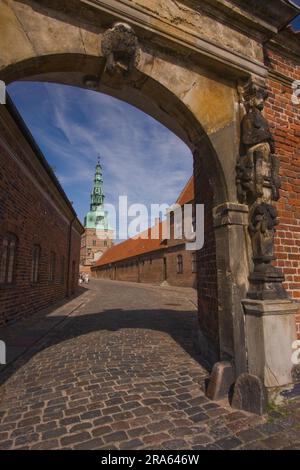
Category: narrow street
[120,372]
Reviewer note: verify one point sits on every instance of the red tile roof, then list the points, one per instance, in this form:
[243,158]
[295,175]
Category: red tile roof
[132,247]
[188,193]
[138,245]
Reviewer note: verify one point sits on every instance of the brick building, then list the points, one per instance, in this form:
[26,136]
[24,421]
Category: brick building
[97,236]
[39,231]
[151,257]
[283,113]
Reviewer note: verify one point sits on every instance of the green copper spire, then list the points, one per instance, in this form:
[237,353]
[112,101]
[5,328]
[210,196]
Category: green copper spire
[97,217]
[97,196]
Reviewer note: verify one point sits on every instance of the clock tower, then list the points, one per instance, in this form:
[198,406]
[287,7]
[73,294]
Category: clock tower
[97,237]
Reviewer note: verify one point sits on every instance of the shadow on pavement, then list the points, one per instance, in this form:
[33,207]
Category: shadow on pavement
[178,324]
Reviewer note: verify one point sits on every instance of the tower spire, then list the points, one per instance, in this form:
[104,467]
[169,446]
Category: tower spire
[97,195]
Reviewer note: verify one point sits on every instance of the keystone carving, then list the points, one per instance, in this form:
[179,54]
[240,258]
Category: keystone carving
[121,48]
[258,184]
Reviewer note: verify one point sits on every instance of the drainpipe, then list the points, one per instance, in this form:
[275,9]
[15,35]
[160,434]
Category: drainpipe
[68,293]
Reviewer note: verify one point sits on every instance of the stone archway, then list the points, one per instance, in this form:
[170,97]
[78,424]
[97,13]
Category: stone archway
[191,86]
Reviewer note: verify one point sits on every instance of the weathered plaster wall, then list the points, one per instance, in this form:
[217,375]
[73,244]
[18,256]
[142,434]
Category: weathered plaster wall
[197,18]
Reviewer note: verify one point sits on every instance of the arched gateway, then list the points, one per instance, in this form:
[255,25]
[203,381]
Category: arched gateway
[199,68]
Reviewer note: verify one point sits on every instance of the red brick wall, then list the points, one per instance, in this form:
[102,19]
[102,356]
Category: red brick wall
[206,260]
[26,212]
[105,273]
[284,118]
[127,273]
[187,278]
[151,269]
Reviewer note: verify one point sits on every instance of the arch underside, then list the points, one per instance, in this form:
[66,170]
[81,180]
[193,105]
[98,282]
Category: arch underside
[141,91]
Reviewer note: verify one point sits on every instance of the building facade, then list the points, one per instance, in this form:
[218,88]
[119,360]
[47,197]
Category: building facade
[97,236]
[151,257]
[39,231]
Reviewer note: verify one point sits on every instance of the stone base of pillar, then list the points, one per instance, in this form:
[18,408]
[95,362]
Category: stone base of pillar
[270,333]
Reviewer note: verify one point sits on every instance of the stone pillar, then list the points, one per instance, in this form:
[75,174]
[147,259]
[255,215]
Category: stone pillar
[270,333]
[232,246]
[269,313]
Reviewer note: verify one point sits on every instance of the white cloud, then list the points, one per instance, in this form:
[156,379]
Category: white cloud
[140,157]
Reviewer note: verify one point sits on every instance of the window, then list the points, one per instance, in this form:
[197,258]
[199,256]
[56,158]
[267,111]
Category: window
[8,259]
[194,262]
[105,242]
[52,266]
[35,263]
[94,242]
[179,264]
[62,270]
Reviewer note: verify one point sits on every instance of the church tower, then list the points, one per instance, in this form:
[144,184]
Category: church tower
[97,237]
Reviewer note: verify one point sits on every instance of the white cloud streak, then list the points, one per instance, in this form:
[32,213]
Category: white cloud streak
[140,157]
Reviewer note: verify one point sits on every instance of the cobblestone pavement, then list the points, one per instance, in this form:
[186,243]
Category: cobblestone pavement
[120,372]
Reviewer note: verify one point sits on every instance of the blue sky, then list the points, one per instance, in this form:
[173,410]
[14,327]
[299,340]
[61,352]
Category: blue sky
[140,157]
[296,23]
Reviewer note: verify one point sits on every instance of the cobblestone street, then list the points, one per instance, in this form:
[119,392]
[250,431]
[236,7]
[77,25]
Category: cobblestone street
[120,372]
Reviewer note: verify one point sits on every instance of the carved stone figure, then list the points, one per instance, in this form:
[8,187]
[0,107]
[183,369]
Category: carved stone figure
[262,229]
[275,178]
[265,280]
[121,49]
[255,127]
[258,185]
[257,168]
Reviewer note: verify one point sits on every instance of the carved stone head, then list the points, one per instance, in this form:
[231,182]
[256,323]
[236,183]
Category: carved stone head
[254,96]
[121,49]
[258,98]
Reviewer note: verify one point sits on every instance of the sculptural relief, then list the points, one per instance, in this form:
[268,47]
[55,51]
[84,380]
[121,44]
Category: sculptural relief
[263,220]
[257,168]
[121,49]
[258,184]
